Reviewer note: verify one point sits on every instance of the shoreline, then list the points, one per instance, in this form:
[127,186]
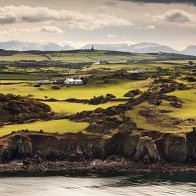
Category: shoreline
[120,166]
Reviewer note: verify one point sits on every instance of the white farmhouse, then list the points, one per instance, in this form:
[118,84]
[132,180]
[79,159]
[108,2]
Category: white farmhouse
[137,71]
[98,62]
[71,81]
[43,82]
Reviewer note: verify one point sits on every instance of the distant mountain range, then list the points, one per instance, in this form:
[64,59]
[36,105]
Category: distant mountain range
[134,48]
[25,46]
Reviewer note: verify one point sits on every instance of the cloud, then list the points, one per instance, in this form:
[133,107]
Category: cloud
[174,15]
[45,29]
[51,29]
[71,18]
[150,27]
[111,36]
[192,2]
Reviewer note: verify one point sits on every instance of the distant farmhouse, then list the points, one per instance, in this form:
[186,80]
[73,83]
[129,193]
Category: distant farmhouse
[67,81]
[43,82]
[72,81]
[100,62]
[137,71]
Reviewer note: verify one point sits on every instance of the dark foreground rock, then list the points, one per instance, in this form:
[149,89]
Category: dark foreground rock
[124,151]
[110,166]
[18,109]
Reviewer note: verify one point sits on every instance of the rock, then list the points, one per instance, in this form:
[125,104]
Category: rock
[114,145]
[131,144]
[24,147]
[132,93]
[190,79]
[5,154]
[77,156]
[176,104]
[56,88]
[191,144]
[147,148]
[99,100]
[174,148]
[110,96]
[127,126]
[98,151]
[87,151]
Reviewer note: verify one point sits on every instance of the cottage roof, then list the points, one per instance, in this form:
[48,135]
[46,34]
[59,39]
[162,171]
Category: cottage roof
[70,79]
[78,80]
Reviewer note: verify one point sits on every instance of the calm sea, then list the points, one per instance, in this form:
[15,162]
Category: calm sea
[135,185]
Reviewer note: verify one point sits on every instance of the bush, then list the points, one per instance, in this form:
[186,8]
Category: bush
[56,87]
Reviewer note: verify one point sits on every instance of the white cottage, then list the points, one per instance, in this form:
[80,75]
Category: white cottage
[71,81]
[43,82]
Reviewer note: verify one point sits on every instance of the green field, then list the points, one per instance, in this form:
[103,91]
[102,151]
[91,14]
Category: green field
[119,88]
[53,126]
[66,108]
[20,71]
[77,57]
[187,111]
[22,56]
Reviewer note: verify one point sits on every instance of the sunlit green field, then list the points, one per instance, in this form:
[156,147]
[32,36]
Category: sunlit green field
[65,108]
[19,77]
[114,67]
[22,56]
[77,57]
[187,111]
[53,126]
[81,92]
[189,106]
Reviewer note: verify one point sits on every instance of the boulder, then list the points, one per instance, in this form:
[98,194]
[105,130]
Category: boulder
[132,93]
[191,144]
[56,88]
[110,96]
[87,151]
[98,151]
[77,155]
[176,104]
[23,146]
[115,145]
[131,144]
[127,126]
[174,148]
[147,148]
[5,153]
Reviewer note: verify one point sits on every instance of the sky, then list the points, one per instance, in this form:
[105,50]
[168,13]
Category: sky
[80,22]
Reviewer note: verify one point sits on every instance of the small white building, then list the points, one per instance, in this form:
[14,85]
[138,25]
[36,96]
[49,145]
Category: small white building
[71,81]
[43,82]
[98,62]
[137,71]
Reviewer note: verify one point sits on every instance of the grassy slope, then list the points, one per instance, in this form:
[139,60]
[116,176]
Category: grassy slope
[187,111]
[52,126]
[22,56]
[189,106]
[77,57]
[81,92]
[71,108]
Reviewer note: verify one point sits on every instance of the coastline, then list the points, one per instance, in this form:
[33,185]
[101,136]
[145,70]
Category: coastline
[119,166]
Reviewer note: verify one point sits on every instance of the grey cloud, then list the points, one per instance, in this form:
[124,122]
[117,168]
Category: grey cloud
[178,16]
[71,18]
[192,2]
[51,29]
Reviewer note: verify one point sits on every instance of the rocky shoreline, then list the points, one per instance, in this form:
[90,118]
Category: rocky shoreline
[39,153]
[113,166]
